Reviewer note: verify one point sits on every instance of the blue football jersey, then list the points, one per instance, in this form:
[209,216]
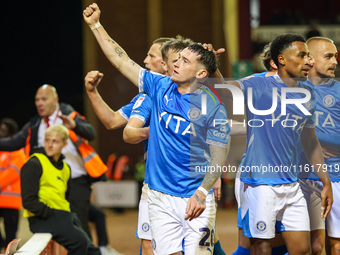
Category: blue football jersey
[327,123]
[125,111]
[142,110]
[271,154]
[257,75]
[180,134]
[139,107]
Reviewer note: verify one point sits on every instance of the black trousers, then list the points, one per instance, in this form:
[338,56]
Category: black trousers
[66,230]
[11,219]
[79,199]
[97,216]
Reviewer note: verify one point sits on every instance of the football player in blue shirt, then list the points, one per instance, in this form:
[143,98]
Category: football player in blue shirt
[185,140]
[269,172]
[243,248]
[116,119]
[327,122]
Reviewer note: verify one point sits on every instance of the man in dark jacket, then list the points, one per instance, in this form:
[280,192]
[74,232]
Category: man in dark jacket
[31,136]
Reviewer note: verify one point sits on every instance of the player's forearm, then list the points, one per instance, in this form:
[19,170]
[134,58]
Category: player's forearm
[313,152]
[218,76]
[135,135]
[316,160]
[218,157]
[117,56]
[15,142]
[103,111]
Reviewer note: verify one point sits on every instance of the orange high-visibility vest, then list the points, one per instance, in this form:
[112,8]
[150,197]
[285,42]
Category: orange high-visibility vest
[10,166]
[110,161]
[92,162]
[120,167]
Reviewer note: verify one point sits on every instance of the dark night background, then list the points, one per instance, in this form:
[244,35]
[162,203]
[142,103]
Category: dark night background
[41,43]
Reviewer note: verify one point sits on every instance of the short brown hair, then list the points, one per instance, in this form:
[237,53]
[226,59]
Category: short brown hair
[176,45]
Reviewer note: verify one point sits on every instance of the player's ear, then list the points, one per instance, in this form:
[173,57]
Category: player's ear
[273,65]
[164,66]
[281,59]
[202,73]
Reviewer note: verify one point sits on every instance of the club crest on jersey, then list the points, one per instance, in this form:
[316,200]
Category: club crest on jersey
[194,114]
[145,227]
[308,105]
[153,244]
[261,226]
[328,101]
[138,102]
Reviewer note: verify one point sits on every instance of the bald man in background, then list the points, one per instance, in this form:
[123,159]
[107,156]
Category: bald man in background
[31,136]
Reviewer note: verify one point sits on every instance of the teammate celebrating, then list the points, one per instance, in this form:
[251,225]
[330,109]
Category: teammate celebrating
[327,115]
[136,114]
[175,189]
[275,195]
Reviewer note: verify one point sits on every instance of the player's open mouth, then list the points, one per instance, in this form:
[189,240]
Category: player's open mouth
[305,71]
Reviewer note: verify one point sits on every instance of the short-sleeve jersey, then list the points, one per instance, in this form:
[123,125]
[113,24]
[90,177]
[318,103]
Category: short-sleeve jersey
[180,134]
[271,154]
[327,123]
[257,75]
[139,107]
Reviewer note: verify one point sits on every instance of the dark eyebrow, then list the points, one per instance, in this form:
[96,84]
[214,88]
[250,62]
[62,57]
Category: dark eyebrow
[186,59]
[330,54]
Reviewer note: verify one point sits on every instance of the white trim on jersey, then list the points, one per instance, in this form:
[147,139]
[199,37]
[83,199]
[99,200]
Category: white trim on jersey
[251,140]
[141,80]
[123,114]
[138,117]
[219,144]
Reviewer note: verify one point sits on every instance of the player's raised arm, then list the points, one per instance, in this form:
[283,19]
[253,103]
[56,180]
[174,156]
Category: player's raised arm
[115,54]
[217,76]
[312,149]
[111,119]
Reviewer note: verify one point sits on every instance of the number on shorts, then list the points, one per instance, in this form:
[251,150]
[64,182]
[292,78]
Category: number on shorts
[205,237]
[212,236]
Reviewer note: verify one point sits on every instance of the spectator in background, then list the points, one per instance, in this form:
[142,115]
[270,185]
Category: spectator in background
[10,198]
[31,136]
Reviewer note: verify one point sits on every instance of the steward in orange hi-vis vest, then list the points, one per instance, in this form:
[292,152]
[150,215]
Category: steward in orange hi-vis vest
[93,164]
[10,166]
